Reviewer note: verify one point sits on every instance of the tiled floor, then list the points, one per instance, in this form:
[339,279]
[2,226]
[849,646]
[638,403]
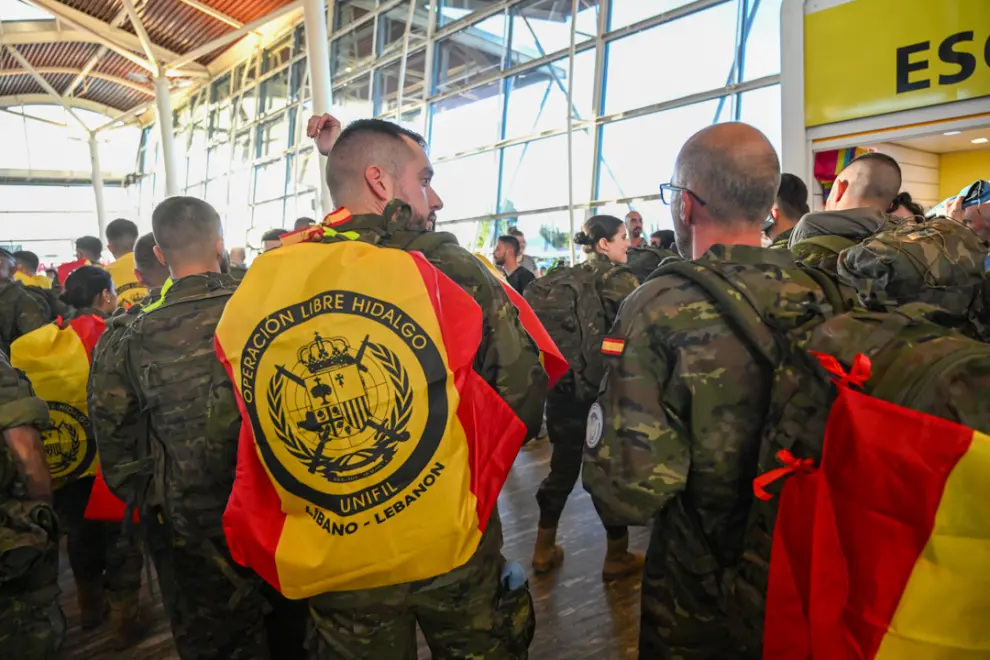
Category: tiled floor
[578,616]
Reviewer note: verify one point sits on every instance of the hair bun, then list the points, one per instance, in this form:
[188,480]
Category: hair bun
[581,238]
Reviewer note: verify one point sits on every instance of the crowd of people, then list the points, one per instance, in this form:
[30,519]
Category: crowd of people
[674,366]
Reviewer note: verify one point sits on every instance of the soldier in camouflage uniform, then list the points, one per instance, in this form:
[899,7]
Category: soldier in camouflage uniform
[674,435]
[605,239]
[482,609]
[19,312]
[32,626]
[790,206]
[151,387]
[856,208]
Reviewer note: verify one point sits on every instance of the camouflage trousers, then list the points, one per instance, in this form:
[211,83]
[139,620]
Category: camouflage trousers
[98,550]
[216,608]
[566,423]
[685,601]
[469,612]
[32,626]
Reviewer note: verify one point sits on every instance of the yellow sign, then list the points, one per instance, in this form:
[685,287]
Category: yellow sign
[871,57]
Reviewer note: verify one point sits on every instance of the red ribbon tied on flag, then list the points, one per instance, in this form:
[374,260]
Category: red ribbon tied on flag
[791,465]
[861,370]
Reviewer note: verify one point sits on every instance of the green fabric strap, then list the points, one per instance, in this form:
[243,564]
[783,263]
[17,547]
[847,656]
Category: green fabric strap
[161,299]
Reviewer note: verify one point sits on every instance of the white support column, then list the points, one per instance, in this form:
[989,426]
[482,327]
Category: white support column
[94,161]
[318,59]
[570,128]
[164,105]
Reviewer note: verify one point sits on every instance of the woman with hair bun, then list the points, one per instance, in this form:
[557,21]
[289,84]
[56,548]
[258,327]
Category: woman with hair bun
[578,306]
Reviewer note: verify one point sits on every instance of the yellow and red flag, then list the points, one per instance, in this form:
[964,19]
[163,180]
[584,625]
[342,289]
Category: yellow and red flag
[551,357]
[883,551]
[66,269]
[125,281]
[371,453]
[56,359]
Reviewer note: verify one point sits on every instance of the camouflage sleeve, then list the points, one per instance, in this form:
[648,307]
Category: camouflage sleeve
[640,458]
[223,423]
[615,289]
[28,315]
[114,411]
[508,358]
[18,404]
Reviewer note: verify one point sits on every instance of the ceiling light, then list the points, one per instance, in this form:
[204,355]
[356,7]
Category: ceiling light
[952,133]
[980,140]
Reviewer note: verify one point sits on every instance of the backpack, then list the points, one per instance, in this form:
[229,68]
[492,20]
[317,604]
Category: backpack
[170,356]
[936,261]
[642,261]
[50,304]
[821,251]
[569,306]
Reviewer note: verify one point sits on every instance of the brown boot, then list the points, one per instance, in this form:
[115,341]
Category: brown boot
[92,603]
[619,562]
[547,555]
[127,625]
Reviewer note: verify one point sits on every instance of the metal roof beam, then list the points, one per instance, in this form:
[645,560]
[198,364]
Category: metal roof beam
[120,41]
[126,117]
[95,59]
[214,13]
[55,71]
[45,99]
[230,37]
[142,34]
[45,85]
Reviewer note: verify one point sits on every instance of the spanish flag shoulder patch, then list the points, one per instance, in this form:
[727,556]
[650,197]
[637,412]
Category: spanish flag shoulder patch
[613,346]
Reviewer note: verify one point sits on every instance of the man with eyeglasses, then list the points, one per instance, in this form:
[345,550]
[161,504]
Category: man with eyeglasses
[674,434]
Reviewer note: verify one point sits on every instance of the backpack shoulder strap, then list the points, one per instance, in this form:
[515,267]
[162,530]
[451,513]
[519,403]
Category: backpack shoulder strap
[828,286]
[741,311]
[830,242]
[428,241]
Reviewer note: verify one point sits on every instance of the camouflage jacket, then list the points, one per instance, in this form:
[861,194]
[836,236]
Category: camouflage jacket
[18,407]
[153,379]
[614,284]
[818,237]
[508,359]
[675,439]
[642,261]
[19,314]
[783,240]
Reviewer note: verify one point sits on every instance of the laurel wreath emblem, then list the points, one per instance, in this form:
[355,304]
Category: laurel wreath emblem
[388,435]
[64,461]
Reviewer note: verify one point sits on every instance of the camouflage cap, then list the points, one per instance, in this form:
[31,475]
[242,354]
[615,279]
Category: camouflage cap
[936,261]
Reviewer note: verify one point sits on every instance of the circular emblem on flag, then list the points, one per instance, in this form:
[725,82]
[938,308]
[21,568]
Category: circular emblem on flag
[596,423]
[347,395]
[67,450]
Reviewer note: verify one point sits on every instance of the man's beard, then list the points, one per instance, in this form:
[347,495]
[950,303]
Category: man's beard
[682,233]
[225,262]
[637,232]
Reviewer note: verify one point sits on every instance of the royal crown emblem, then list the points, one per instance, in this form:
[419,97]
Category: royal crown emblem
[341,411]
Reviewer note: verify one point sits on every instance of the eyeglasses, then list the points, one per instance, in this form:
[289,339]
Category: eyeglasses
[667,191]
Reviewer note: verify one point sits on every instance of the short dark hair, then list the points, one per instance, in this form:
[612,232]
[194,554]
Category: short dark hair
[273,235]
[515,231]
[84,284]
[792,197]
[122,230]
[666,237]
[91,245]
[184,226]
[903,199]
[883,176]
[303,222]
[364,142]
[511,242]
[145,261]
[27,259]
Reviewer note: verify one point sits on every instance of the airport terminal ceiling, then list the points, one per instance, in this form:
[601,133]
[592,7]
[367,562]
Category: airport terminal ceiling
[491,84]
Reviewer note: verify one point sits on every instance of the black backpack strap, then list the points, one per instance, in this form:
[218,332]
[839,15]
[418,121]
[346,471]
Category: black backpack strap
[828,286]
[741,311]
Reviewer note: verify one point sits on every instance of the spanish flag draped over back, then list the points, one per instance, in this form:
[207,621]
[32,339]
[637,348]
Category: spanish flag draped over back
[551,357]
[884,551]
[371,453]
[56,358]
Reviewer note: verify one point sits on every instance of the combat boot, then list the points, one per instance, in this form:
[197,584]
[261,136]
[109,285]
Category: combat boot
[92,603]
[547,555]
[619,562]
[127,626]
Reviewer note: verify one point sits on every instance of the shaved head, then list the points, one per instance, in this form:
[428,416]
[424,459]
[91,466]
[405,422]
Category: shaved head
[186,230]
[871,181]
[152,272]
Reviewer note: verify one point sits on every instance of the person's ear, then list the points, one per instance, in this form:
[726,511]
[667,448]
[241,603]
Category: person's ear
[687,207]
[160,256]
[377,182]
[775,213]
[841,186]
